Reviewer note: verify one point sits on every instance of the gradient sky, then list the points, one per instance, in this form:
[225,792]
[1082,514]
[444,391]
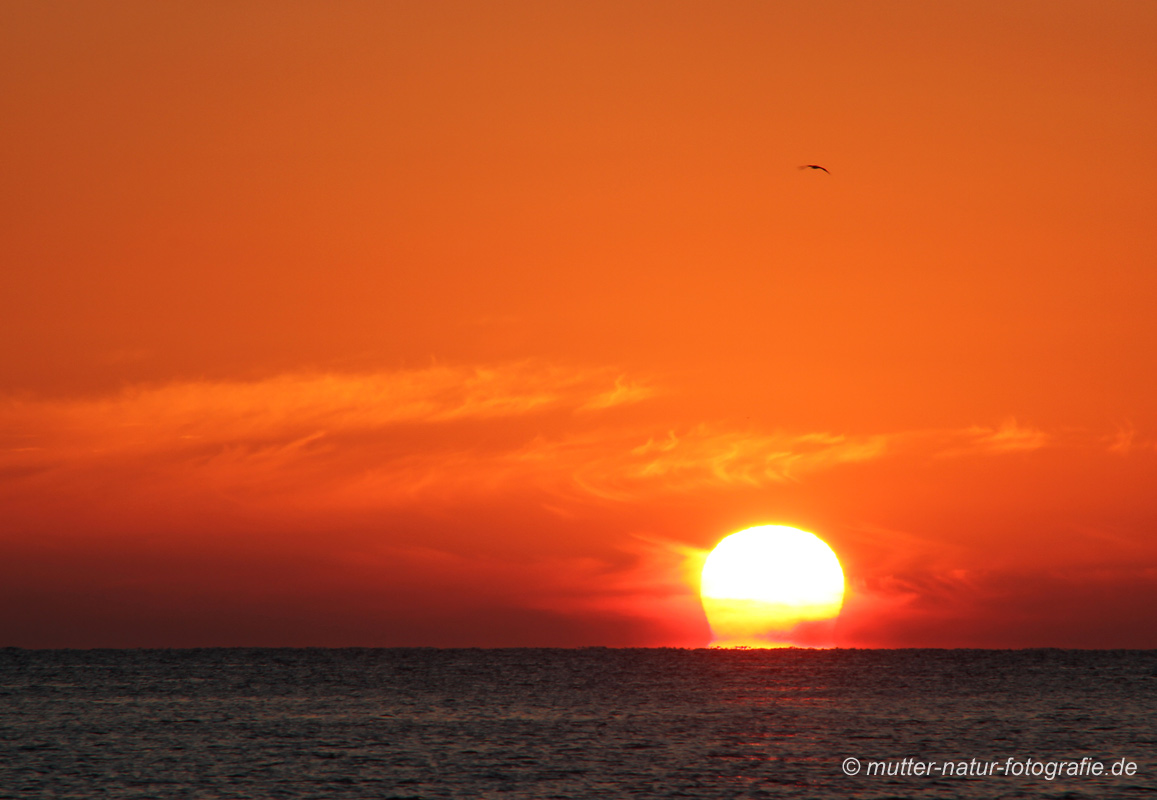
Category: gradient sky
[468,324]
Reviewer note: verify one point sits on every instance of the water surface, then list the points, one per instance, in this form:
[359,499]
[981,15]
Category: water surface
[589,723]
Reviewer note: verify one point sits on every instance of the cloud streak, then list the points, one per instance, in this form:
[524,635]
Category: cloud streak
[144,418]
[433,434]
[520,486]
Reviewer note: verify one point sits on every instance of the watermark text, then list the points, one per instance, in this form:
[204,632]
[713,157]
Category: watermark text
[1048,770]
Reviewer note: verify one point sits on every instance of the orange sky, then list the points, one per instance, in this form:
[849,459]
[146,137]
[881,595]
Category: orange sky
[471,324]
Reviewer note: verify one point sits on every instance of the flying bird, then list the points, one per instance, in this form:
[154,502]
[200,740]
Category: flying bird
[814,166]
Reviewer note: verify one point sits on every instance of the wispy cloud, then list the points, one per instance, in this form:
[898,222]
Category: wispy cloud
[702,457]
[290,408]
[625,392]
[1010,437]
[445,432]
[1126,440]
[492,463]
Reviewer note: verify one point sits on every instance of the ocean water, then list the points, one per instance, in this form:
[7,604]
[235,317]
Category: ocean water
[588,723]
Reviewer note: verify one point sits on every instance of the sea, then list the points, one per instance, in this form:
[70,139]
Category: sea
[577,723]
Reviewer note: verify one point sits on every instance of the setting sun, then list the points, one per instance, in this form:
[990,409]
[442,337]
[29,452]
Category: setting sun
[761,583]
[460,324]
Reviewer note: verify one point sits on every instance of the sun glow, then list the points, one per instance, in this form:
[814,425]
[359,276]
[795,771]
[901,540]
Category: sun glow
[760,586]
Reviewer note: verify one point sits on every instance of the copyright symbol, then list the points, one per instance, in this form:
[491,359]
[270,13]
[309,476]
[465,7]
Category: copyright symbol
[851,766]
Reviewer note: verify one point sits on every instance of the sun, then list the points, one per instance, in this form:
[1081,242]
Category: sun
[759,586]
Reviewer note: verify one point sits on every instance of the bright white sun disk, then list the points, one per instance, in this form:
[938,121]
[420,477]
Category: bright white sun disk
[759,584]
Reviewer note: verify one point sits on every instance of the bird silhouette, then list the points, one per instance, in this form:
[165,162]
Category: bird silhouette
[814,166]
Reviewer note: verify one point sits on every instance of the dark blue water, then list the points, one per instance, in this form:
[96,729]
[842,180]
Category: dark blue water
[590,723]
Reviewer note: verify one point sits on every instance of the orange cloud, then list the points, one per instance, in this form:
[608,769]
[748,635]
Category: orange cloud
[385,438]
[1008,438]
[515,486]
[144,418]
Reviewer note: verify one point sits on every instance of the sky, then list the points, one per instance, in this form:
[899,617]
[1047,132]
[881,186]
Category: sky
[457,324]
